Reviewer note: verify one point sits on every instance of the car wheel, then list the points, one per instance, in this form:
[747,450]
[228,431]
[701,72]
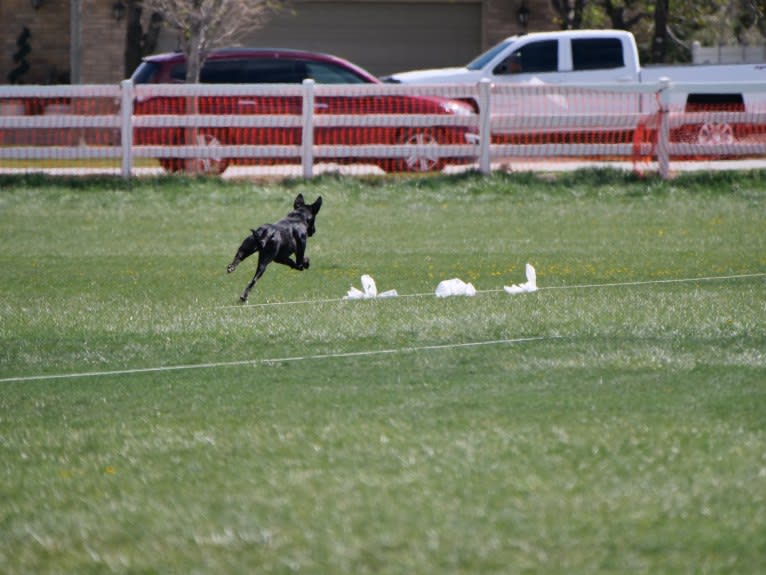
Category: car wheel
[713,133]
[425,160]
[210,165]
[171,165]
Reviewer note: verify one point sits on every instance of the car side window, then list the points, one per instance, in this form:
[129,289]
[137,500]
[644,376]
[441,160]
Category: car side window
[326,73]
[178,73]
[275,72]
[212,73]
[535,57]
[221,72]
[597,54]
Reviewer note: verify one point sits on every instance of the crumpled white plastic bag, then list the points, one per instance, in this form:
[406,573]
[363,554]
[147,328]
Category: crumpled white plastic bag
[454,286]
[369,290]
[528,287]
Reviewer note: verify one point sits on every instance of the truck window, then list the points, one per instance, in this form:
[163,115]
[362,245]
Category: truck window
[486,57]
[535,57]
[597,54]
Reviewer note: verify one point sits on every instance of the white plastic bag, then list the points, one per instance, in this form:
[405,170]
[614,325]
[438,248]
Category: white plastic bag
[528,287]
[369,290]
[454,286]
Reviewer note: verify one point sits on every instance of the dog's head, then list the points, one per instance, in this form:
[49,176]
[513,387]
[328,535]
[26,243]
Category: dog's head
[309,212]
[249,246]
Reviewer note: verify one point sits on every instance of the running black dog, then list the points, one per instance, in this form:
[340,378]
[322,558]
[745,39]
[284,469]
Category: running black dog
[277,242]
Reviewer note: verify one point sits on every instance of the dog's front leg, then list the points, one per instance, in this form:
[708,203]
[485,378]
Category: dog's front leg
[300,238]
[294,265]
[301,262]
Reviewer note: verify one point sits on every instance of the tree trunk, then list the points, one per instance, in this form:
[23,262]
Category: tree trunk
[133,35]
[660,36]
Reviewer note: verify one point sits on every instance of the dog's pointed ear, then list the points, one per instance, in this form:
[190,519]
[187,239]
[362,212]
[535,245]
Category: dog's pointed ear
[299,202]
[316,205]
[254,232]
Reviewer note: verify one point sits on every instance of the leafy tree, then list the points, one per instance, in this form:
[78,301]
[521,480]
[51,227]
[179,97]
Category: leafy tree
[569,13]
[666,29]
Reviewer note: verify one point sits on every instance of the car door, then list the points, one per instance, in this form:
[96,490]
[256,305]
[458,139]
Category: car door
[272,70]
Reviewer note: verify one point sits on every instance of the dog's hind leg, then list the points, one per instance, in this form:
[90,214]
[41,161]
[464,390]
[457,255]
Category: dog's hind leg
[262,263]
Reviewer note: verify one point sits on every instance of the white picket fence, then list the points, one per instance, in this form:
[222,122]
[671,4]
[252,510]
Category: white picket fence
[514,123]
[738,54]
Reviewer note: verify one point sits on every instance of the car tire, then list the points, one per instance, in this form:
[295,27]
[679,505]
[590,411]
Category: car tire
[713,133]
[209,166]
[419,162]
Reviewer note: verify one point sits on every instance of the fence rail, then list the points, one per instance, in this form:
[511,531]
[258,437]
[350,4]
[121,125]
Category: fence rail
[397,127]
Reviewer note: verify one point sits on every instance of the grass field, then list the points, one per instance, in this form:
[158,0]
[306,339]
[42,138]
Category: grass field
[612,422]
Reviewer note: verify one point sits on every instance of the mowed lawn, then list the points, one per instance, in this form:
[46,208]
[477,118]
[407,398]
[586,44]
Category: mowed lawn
[612,422]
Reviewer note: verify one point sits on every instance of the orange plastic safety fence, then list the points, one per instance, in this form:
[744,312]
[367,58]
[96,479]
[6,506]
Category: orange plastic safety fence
[59,114]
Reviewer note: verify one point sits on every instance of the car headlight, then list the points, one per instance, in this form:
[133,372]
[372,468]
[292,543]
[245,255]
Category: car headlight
[458,108]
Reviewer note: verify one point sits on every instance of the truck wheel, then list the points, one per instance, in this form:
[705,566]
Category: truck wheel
[713,133]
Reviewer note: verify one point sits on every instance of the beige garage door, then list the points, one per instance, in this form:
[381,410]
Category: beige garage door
[383,37]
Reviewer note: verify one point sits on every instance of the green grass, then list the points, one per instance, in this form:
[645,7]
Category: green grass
[627,434]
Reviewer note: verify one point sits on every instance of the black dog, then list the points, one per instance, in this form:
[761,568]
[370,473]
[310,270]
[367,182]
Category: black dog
[277,242]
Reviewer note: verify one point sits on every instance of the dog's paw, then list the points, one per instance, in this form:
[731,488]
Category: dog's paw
[305,264]
[230,268]
[243,298]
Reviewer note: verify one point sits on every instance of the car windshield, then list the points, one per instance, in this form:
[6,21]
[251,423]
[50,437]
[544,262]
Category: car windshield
[144,73]
[483,59]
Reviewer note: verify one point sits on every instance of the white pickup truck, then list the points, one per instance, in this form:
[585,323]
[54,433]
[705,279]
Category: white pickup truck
[574,57]
[597,57]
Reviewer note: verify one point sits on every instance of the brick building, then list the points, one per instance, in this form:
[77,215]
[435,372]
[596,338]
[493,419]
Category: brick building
[83,41]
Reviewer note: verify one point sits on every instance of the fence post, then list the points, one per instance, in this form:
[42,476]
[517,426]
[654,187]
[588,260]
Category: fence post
[485,130]
[663,135]
[126,127]
[307,132]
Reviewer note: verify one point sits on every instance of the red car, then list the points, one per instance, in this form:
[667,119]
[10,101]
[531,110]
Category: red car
[265,66]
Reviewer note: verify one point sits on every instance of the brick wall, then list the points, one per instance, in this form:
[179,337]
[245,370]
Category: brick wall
[103,42]
[103,38]
[502,19]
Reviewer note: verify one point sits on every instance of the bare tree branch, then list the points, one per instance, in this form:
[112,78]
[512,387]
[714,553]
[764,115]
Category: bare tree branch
[207,24]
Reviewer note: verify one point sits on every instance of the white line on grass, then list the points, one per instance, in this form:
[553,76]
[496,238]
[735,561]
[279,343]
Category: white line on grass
[667,281]
[580,286]
[358,353]
[275,360]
